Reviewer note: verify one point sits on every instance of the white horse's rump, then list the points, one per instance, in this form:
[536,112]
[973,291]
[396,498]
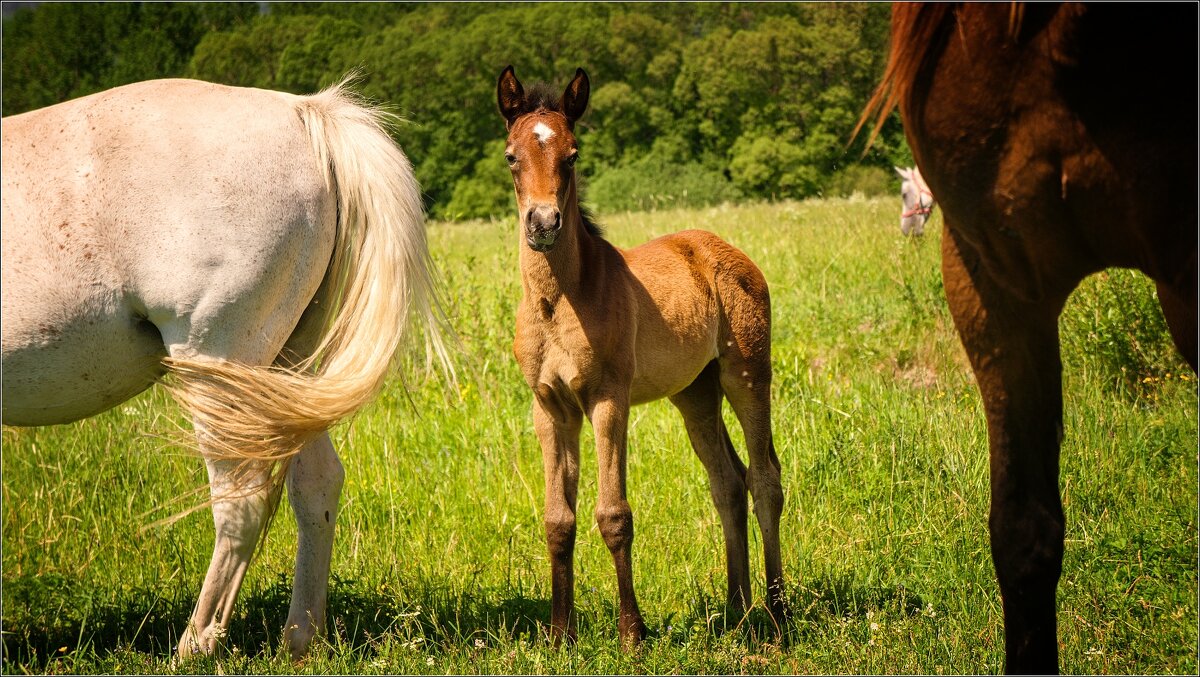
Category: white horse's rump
[264,250]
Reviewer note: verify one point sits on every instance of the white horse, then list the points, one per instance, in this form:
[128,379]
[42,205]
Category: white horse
[262,251]
[917,200]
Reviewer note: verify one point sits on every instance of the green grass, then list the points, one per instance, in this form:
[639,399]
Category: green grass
[440,564]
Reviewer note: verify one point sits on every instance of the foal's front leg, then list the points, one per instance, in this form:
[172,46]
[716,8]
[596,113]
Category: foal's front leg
[557,430]
[610,417]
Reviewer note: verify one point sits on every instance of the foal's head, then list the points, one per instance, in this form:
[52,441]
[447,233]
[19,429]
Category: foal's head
[917,201]
[541,151]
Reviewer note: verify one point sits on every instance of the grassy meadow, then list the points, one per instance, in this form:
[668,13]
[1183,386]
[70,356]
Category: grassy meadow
[440,564]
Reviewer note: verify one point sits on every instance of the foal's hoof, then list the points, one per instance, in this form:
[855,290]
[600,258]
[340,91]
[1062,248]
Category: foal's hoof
[777,605]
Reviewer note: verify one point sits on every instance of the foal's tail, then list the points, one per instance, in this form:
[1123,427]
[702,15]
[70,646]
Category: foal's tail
[380,282]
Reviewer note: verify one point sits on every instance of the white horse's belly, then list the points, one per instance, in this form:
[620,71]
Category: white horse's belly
[71,346]
[65,363]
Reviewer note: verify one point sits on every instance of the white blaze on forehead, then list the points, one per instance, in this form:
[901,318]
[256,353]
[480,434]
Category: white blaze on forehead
[543,132]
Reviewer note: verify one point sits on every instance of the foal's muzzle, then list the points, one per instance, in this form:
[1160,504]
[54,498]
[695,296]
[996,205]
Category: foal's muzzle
[542,227]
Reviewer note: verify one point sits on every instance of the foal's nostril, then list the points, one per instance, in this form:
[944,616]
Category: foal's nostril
[543,223]
[544,218]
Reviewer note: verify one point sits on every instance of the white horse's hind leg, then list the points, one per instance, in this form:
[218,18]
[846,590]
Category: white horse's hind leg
[241,503]
[314,484]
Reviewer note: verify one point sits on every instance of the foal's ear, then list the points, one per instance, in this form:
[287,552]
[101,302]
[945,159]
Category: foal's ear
[575,99]
[510,95]
[902,172]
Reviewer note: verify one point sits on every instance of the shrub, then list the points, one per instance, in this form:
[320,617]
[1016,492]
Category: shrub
[653,183]
[487,192]
[869,181]
[773,167]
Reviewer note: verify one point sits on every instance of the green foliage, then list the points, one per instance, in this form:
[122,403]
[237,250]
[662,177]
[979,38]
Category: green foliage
[619,128]
[868,180]
[762,96]
[772,166]
[287,52]
[487,192]
[60,51]
[654,182]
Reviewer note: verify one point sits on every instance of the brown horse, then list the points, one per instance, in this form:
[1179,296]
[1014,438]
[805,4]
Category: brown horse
[686,316]
[1060,140]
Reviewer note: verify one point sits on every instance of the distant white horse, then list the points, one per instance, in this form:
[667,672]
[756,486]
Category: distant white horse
[918,201]
[262,251]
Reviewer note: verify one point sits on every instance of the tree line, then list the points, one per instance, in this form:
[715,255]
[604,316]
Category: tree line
[692,103]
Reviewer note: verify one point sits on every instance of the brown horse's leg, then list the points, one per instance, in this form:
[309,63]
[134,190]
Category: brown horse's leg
[1179,309]
[558,432]
[700,404]
[1013,348]
[610,417]
[746,381]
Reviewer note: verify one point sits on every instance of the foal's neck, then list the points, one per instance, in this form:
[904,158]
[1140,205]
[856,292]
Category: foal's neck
[560,271]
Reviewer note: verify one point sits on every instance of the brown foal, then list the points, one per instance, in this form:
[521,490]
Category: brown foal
[686,316]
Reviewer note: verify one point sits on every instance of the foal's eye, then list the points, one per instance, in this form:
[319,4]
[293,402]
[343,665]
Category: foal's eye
[510,159]
[572,158]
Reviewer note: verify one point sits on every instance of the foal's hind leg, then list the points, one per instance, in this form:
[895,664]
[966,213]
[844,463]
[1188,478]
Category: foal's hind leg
[700,404]
[746,381]
[314,484]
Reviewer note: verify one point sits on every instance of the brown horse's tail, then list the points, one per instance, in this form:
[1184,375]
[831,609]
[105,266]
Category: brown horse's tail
[381,282]
[916,29]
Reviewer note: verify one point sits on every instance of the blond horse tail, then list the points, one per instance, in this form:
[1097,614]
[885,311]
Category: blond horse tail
[381,284]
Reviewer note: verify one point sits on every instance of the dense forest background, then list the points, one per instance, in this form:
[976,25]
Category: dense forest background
[692,103]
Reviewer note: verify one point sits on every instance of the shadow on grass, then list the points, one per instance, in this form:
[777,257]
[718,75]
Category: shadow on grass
[809,605]
[49,616]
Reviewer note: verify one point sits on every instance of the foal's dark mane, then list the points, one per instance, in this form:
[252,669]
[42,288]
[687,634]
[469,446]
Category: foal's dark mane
[585,215]
[541,96]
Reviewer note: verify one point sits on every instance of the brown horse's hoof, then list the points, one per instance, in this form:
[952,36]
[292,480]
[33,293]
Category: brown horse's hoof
[781,613]
[632,631]
[560,636]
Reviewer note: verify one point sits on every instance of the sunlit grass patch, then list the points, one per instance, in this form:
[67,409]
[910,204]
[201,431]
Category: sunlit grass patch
[440,562]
